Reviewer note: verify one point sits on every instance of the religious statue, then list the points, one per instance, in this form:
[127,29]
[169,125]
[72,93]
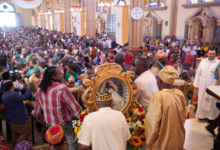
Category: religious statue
[200,30]
[110,86]
[73,22]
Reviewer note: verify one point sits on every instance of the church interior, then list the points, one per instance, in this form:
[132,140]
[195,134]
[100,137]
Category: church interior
[136,29]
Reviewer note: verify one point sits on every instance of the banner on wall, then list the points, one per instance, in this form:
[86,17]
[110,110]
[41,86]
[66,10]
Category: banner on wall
[47,21]
[34,21]
[40,21]
[58,22]
[122,22]
[80,23]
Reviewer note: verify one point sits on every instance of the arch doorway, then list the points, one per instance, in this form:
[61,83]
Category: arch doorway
[8,16]
[146,27]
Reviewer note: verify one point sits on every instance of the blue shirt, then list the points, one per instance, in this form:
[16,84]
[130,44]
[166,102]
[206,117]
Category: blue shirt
[16,112]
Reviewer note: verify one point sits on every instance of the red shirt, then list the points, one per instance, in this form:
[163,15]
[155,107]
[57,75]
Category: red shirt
[170,61]
[58,104]
[188,60]
[128,59]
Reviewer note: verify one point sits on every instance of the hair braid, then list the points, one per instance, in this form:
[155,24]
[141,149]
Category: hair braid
[47,78]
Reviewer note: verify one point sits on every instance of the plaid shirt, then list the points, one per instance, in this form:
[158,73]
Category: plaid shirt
[58,104]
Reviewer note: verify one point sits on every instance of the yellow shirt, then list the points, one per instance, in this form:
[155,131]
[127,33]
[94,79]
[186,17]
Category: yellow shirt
[206,48]
[164,122]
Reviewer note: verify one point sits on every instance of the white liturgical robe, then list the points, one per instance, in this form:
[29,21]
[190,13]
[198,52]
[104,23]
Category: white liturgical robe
[147,86]
[105,129]
[205,78]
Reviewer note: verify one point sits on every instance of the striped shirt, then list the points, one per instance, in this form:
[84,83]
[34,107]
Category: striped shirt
[58,104]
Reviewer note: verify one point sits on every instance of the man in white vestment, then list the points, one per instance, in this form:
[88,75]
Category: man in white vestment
[105,129]
[204,78]
[146,82]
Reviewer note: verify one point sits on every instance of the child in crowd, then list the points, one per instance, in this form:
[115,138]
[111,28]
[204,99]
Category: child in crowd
[170,59]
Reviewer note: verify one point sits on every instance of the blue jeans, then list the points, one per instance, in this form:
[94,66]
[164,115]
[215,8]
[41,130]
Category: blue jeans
[70,135]
[187,67]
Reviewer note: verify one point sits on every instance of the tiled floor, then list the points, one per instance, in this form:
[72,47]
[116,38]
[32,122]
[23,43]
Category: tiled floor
[197,138]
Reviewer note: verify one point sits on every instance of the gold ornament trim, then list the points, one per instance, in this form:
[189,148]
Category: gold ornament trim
[104,72]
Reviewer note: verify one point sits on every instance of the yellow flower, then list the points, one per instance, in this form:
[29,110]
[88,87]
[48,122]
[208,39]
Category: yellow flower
[143,139]
[128,119]
[143,120]
[136,141]
[83,112]
[136,110]
[142,126]
[76,130]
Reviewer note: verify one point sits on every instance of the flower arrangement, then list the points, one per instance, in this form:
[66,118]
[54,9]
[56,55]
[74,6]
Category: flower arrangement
[29,105]
[195,103]
[2,112]
[137,125]
[190,88]
[78,124]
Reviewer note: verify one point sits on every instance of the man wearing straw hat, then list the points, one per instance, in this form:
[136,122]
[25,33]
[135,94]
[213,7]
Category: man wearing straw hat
[105,129]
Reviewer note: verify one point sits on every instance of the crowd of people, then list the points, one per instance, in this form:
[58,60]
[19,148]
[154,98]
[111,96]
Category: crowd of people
[41,65]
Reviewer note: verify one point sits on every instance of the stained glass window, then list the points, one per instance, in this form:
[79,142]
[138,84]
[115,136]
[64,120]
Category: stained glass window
[153,3]
[200,1]
[161,3]
[6,7]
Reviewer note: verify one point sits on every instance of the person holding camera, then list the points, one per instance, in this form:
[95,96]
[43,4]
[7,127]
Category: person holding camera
[6,77]
[16,112]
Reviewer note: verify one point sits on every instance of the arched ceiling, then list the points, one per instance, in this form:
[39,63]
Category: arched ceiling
[29,4]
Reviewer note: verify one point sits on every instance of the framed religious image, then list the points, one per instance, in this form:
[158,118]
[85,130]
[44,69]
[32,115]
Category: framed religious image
[166,23]
[109,78]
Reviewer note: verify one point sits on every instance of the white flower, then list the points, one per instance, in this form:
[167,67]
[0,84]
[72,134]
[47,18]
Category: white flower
[135,128]
[132,124]
[138,123]
[74,123]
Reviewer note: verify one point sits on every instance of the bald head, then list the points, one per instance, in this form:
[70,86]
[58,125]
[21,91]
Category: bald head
[119,58]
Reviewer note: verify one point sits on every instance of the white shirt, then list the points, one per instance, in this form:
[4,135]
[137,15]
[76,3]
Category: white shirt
[196,48]
[193,52]
[109,43]
[167,52]
[186,48]
[147,86]
[118,50]
[16,84]
[105,129]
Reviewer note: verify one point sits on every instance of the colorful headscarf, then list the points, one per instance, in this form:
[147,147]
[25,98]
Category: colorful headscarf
[24,145]
[42,60]
[33,57]
[54,135]
[160,54]
[36,69]
[30,72]
[16,54]
[23,61]
[54,59]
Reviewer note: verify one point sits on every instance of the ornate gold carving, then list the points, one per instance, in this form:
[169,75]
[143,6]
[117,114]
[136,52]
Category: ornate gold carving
[103,73]
[108,68]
